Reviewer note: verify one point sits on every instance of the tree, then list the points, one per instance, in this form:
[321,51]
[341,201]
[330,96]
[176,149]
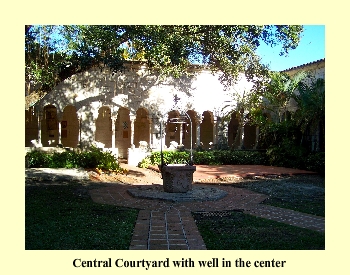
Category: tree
[311,103]
[54,53]
[280,90]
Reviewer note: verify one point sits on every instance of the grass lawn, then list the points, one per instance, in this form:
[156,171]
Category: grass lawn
[303,193]
[65,217]
[239,231]
[242,231]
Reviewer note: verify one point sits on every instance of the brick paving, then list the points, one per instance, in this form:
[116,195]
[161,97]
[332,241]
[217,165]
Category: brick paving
[168,225]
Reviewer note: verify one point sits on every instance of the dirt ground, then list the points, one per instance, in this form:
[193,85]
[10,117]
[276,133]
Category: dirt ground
[133,175]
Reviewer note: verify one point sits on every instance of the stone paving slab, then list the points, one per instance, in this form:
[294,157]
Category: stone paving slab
[198,193]
[289,217]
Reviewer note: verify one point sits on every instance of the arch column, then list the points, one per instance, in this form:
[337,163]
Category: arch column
[40,117]
[132,130]
[241,141]
[181,134]
[113,118]
[198,122]
[215,129]
[59,122]
[150,124]
[257,131]
[79,131]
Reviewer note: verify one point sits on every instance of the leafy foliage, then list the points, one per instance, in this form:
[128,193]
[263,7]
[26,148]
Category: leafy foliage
[93,158]
[54,53]
[316,162]
[215,157]
[311,102]
[280,90]
[287,154]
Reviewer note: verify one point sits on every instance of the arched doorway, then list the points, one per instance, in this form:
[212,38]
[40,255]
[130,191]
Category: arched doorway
[186,139]
[69,127]
[232,131]
[206,129]
[103,132]
[249,136]
[49,127]
[141,127]
[172,129]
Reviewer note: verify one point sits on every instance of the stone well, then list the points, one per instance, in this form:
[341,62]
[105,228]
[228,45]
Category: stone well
[177,178]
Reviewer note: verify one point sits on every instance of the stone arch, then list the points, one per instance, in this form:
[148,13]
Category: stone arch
[69,127]
[206,129]
[31,126]
[232,131]
[187,130]
[142,131]
[103,132]
[49,126]
[249,135]
[123,132]
[172,130]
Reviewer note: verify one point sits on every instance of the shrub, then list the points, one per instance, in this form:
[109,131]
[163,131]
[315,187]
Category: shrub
[218,157]
[37,159]
[93,158]
[175,157]
[287,154]
[145,163]
[316,162]
[205,158]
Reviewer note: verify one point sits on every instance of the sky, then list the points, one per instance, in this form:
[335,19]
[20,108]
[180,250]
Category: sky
[310,48]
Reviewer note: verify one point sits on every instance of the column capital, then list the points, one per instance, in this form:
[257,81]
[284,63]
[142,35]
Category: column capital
[132,117]
[59,117]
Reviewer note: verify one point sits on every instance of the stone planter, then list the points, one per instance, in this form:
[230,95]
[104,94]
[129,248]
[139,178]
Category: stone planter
[177,178]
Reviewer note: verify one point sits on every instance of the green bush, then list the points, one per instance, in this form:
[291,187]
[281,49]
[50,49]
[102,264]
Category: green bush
[218,157]
[205,158]
[37,159]
[145,163]
[316,162]
[93,158]
[175,157]
[287,154]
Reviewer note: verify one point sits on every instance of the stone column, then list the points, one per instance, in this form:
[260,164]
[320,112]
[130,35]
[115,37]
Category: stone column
[257,130]
[181,133]
[215,126]
[241,142]
[150,124]
[132,130]
[59,121]
[198,122]
[113,131]
[79,130]
[40,117]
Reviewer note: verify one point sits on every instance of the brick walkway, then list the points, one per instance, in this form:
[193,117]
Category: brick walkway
[165,225]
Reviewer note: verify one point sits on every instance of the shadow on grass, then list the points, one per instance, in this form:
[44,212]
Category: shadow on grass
[239,231]
[65,217]
[303,193]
